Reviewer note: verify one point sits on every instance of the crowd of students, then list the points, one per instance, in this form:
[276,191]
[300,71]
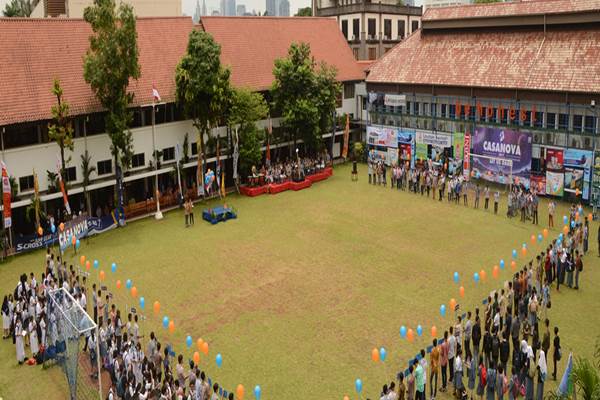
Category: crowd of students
[474,357]
[136,370]
[296,170]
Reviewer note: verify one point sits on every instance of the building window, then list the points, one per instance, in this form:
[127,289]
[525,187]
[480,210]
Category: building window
[387,29]
[372,30]
[577,122]
[355,29]
[349,91]
[26,183]
[527,121]
[416,106]
[104,167]
[401,29]
[414,26]
[194,148]
[138,160]
[168,154]
[70,174]
[452,108]
[426,109]
[550,120]
[444,108]
[589,124]
[345,28]
[539,119]
[563,121]
[372,53]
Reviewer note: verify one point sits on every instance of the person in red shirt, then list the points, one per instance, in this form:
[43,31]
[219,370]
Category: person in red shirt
[444,361]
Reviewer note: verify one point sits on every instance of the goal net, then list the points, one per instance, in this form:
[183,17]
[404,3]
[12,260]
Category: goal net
[68,329]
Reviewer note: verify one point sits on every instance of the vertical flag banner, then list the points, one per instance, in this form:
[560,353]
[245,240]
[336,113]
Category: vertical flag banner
[62,186]
[218,166]
[467,154]
[346,137]
[566,383]
[269,133]
[236,155]
[6,190]
[200,170]
[36,190]
[177,160]
[223,184]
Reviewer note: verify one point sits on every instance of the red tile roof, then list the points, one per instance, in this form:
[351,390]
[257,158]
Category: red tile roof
[35,51]
[503,9]
[565,60]
[250,46]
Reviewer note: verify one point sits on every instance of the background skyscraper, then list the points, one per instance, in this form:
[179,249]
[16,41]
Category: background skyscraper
[271,7]
[284,8]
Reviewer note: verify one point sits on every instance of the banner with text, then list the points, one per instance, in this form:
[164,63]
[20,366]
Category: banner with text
[578,171]
[382,136]
[434,138]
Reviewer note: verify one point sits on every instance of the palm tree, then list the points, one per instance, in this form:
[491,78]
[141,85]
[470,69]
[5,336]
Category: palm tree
[87,169]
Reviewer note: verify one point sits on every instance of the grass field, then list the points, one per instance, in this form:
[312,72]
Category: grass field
[297,291]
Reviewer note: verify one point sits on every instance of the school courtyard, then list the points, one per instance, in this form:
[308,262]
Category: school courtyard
[296,292]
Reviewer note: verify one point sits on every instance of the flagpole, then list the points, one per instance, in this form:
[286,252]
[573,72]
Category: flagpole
[158,214]
[178,175]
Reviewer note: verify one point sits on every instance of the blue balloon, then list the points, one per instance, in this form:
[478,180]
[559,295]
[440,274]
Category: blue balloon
[443,310]
[257,392]
[402,331]
[142,303]
[382,354]
[188,341]
[476,277]
[219,360]
[128,284]
[514,253]
[113,267]
[456,277]
[565,219]
[358,386]
[540,237]
[560,237]
[419,330]
[572,224]
[502,263]
[77,244]
[53,228]
[96,264]
[166,321]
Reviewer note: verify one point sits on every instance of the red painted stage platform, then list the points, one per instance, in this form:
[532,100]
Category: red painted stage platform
[275,188]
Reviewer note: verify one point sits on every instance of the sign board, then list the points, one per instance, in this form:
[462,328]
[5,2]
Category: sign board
[395,100]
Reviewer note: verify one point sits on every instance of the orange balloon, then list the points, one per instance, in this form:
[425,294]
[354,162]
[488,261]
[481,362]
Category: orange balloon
[205,348]
[196,358]
[74,240]
[87,265]
[375,355]
[134,292]
[118,284]
[61,227]
[452,304]
[513,265]
[410,335]
[240,392]
[482,275]
[171,326]
[346,398]
[433,331]
[576,215]
[199,344]
[532,239]
[82,260]
[495,272]
[101,275]
[590,217]
[524,251]
[461,291]
[40,231]
[545,233]
[156,307]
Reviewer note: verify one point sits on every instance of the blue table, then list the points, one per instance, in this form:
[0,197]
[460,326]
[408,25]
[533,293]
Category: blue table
[218,214]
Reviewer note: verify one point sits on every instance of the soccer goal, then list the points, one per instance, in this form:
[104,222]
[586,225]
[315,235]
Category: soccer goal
[68,329]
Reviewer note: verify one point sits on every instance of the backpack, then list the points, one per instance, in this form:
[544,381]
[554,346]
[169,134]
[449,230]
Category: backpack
[483,375]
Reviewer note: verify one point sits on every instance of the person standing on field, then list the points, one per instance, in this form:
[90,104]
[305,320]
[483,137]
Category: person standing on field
[551,210]
[496,200]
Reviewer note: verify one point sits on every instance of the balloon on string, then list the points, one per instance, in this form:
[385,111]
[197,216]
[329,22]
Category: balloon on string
[443,310]
[239,390]
[476,277]
[452,304]
[456,277]
[88,265]
[188,341]
[142,303]
[346,398]
[482,275]
[495,272]
[171,326]
[514,253]
[524,251]
[128,284]
[540,238]
[53,228]
[134,292]
[565,220]
[113,268]
[513,265]
[257,392]
[577,216]
[502,264]
[590,217]
[219,360]
[572,224]
[77,244]
[73,240]
[61,227]
[82,260]
[532,239]
[358,385]
[165,321]
[461,291]
[101,275]
[382,354]
[96,264]
[156,307]
[419,330]
[410,335]
[199,343]
[545,233]
[433,332]
[402,331]
[118,284]
[196,358]
[375,355]
[560,237]
[205,348]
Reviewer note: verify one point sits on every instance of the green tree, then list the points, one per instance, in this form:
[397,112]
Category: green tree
[202,86]
[61,131]
[304,12]
[87,169]
[328,89]
[247,107]
[19,8]
[109,64]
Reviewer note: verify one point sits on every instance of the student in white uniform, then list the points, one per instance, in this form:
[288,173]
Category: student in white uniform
[20,346]
[33,337]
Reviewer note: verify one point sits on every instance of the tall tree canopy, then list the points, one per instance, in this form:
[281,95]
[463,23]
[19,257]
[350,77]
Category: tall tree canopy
[110,63]
[61,130]
[304,12]
[304,95]
[19,8]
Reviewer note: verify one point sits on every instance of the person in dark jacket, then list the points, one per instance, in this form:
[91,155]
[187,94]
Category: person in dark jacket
[487,346]
[476,336]
[504,351]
